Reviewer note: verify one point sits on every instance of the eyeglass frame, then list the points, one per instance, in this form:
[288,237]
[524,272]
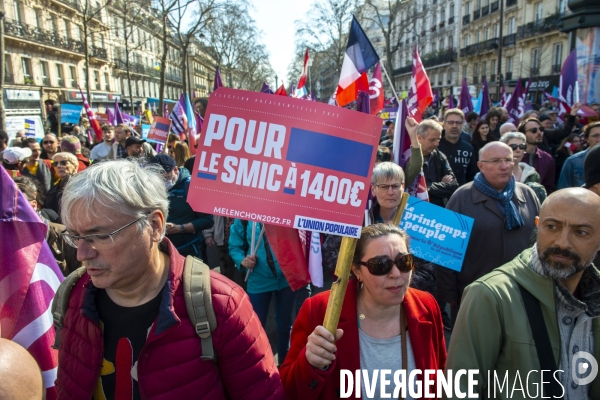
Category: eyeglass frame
[72,240]
[386,188]
[456,123]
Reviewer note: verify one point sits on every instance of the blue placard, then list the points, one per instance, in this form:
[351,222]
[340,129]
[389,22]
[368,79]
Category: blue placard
[70,113]
[437,234]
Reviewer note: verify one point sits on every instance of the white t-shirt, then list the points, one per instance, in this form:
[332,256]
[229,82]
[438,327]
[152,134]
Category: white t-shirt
[100,151]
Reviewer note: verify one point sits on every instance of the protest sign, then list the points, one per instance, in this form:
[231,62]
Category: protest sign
[284,161]
[159,130]
[437,234]
[31,124]
[145,131]
[102,119]
[70,113]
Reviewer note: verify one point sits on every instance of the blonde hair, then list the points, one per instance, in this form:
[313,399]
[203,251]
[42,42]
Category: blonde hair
[182,153]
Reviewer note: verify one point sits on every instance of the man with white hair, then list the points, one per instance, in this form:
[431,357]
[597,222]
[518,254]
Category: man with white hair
[507,127]
[504,213]
[126,330]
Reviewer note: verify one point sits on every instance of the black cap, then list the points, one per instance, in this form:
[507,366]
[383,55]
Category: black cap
[544,117]
[165,161]
[591,167]
[133,140]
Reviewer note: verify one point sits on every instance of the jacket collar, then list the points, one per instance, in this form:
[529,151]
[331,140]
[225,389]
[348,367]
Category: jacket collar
[167,317]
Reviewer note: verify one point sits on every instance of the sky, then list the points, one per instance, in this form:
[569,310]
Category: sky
[276,19]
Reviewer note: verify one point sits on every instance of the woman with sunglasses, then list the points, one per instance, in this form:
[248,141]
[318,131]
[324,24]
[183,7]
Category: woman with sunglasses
[384,324]
[65,165]
[481,136]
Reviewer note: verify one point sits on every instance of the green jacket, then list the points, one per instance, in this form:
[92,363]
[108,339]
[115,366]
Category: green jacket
[492,332]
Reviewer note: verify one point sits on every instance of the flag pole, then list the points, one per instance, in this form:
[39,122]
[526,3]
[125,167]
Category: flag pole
[389,80]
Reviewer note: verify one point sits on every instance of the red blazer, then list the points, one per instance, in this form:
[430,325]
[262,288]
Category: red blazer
[302,381]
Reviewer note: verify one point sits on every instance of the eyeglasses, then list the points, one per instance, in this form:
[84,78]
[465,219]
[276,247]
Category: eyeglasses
[63,163]
[535,129]
[380,266]
[48,142]
[517,146]
[395,187]
[97,241]
[499,161]
[454,122]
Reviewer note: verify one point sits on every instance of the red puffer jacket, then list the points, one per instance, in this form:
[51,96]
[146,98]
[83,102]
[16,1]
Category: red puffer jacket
[169,364]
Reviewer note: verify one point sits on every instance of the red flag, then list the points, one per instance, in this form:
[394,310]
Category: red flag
[376,93]
[302,80]
[281,91]
[420,95]
[289,252]
[29,278]
[93,122]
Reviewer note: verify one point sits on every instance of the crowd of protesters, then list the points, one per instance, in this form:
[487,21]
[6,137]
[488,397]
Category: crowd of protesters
[121,211]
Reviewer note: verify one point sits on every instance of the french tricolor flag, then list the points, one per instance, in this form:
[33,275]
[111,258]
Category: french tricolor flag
[360,56]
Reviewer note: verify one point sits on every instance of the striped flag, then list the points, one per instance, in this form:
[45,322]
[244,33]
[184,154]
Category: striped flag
[303,76]
[29,278]
[420,94]
[178,117]
[91,117]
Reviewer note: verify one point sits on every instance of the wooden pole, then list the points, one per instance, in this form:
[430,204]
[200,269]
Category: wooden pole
[342,271]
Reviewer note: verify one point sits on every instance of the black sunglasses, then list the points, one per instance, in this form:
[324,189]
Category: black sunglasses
[379,266]
[535,129]
[518,146]
[48,142]
[63,163]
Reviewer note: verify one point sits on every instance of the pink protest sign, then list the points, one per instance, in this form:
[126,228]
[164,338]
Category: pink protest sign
[159,130]
[284,161]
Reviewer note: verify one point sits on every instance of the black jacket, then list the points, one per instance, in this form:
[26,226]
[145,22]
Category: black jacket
[435,167]
[461,157]
[553,137]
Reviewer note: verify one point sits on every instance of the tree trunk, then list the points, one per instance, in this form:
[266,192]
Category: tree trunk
[163,64]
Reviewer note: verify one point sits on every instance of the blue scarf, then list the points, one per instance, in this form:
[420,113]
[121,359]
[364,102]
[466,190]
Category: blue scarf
[513,218]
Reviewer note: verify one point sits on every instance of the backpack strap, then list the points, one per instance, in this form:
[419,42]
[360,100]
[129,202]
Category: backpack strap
[541,339]
[198,302]
[60,303]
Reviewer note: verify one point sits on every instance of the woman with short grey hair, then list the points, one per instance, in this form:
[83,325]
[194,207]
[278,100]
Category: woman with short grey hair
[121,185]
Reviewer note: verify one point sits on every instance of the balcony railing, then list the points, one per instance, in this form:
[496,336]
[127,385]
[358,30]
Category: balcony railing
[556,68]
[85,7]
[535,71]
[476,14]
[509,40]
[510,3]
[9,78]
[439,58]
[136,68]
[466,19]
[549,24]
[481,47]
[508,76]
[98,52]
[450,20]
[403,70]
[174,78]
[18,29]
[28,80]
[495,6]
[485,10]
[60,82]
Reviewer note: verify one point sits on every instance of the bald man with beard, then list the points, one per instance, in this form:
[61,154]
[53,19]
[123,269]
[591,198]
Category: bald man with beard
[20,376]
[560,286]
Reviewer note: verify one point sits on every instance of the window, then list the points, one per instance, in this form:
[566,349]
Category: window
[72,76]
[511,25]
[101,41]
[26,66]
[450,41]
[465,70]
[18,12]
[8,78]
[476,71]
[477,37]
[96,80]
[486,34]
[59,75]
[509,64]
[478,4]
[106,86]
[37,19]
[493,68]
[53,27]
[441,44]
[44,73]
[562,4]
[449,75]
[451,10]
[535,61]
[85,77]
[467,8]
[79,33]
[467,40]
[484,68]
[557,54]
[67,28]
[539,12]
[496,31]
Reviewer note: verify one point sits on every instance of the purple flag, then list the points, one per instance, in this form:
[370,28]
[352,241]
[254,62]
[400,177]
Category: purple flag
[111,116]
[485,100]
[436,96]
[451,101]
[569,87]
[363,102]
[512,106]
[218,82]
[118,115]
[526,92]
[266,89]
[465,103]
[29,278]
[401,149]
